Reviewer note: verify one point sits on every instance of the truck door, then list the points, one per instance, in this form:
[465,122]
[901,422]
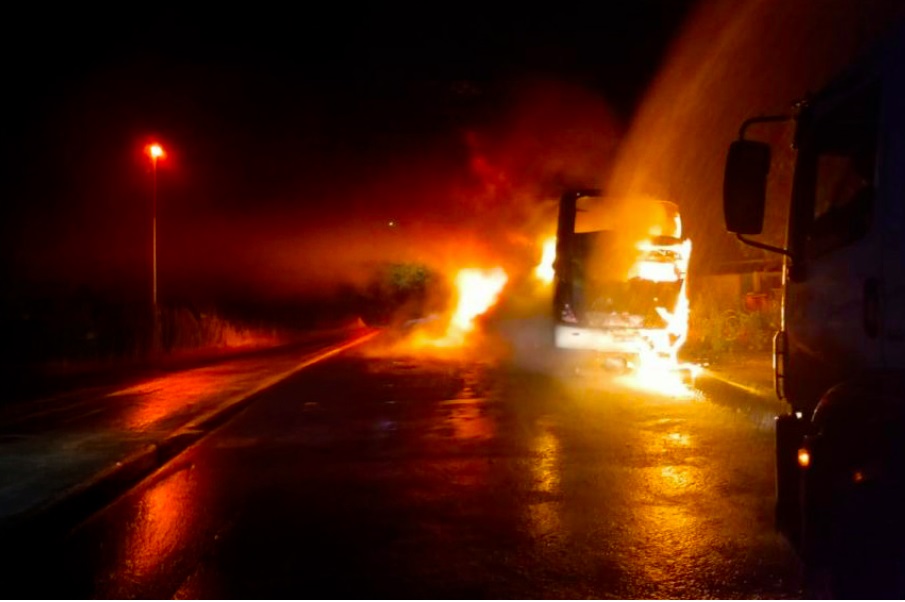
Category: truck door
[891,200]
[564,268]
[835,283]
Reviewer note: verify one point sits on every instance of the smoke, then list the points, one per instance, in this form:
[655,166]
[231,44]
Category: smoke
[244,212]
[628,220]
[735,60]
[479,195]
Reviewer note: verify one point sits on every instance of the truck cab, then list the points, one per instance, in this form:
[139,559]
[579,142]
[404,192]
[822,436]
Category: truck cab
[839,359]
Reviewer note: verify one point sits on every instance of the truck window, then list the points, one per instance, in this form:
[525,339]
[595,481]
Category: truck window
[842,158]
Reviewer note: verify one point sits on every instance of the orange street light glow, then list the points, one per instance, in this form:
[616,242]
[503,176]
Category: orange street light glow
[155,151]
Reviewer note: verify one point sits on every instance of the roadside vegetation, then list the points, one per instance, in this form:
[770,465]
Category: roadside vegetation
[400,292]
[79,332]
[721,328]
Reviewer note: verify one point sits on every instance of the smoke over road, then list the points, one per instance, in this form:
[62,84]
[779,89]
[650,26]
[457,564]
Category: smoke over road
[479,194]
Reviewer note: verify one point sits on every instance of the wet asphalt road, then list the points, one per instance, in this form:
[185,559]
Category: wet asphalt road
[387,476]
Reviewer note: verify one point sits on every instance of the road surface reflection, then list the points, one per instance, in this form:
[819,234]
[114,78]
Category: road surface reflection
[162,397]
[165,516]
[544,513]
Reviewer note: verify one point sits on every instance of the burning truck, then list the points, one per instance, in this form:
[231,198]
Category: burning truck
[620,292]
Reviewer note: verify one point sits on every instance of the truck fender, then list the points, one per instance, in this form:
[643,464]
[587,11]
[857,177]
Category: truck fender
[852,488]
[860,418]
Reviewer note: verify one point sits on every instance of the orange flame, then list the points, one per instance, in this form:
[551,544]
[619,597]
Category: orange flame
[477,290]
[544,270]
[661,263]
[660,369]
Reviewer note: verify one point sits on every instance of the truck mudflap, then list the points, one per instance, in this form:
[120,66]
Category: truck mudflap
[790,432]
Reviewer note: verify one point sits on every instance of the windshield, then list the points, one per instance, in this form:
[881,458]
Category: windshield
[637,298]
[630,301]
[835,175]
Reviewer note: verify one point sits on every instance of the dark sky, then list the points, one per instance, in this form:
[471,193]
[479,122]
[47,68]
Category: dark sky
[277,118]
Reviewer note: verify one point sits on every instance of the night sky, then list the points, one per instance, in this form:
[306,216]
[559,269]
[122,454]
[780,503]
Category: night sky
[286,124]
[293,139]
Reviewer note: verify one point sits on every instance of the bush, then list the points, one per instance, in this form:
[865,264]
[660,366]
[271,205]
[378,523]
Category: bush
[397,292]
[716,329]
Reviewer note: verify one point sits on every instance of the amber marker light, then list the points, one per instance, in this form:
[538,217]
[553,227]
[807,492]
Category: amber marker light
[804,458]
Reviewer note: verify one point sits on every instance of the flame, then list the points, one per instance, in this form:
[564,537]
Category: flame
[544,270]
[476,291]
[661,263]
[655,271]
[659,370]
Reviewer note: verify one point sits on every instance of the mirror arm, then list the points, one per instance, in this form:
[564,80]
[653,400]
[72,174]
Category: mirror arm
[762,119]
[741,134]
[765,247]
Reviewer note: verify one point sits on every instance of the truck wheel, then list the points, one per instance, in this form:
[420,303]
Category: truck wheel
[866,542]
[854,536]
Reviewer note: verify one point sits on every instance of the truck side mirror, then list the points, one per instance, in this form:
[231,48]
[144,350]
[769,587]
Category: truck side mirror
[745,186]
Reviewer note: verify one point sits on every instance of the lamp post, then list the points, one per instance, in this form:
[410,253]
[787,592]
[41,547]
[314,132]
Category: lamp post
[155,151]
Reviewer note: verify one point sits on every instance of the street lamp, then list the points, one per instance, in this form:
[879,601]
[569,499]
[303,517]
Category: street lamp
[155,151]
